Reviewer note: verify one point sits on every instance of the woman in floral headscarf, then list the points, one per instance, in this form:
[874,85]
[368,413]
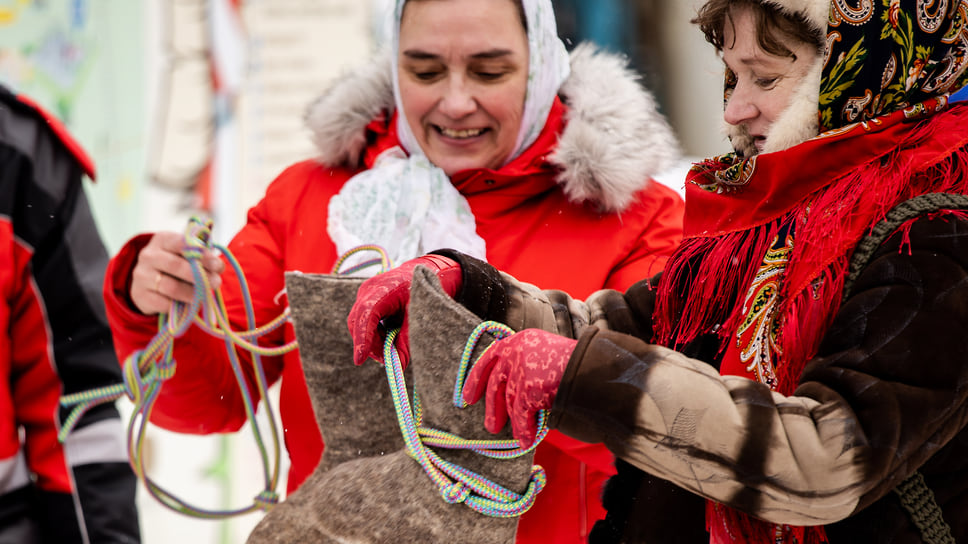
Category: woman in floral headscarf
[798,373]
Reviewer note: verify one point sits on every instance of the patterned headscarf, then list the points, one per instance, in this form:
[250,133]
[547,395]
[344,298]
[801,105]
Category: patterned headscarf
[881,56]
[405,203]
[888,55]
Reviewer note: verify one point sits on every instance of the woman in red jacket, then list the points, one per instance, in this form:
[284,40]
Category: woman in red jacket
[479,133]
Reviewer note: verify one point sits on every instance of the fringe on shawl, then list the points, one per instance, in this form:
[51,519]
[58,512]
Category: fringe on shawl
[850,207]
[712,273]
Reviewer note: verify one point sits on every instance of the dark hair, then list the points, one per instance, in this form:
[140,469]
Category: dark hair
[521,15]
[772,26]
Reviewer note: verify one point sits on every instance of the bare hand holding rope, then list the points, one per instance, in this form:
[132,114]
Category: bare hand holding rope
[163,275]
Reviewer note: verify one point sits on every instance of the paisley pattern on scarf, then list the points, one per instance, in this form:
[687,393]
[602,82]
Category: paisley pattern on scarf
[731,177]
[886,55]
[756,337]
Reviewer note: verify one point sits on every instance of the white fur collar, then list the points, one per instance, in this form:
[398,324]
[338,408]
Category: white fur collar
[614,142]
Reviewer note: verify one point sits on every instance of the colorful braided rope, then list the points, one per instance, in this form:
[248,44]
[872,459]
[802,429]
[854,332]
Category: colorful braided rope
[455,483]
[382,259]
[145,371]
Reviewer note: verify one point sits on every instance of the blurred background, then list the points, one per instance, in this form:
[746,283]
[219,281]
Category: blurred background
[191,107]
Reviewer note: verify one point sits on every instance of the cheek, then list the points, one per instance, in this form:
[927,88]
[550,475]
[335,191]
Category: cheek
[782,98]
[416,101]
[507,107]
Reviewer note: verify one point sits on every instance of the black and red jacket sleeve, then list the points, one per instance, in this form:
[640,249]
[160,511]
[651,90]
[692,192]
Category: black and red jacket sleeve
[58,340]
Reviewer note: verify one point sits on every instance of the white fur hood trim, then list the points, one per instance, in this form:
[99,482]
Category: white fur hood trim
[615,139]
[816,12]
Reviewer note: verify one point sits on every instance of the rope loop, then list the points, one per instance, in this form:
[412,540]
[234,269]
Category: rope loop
[146,370]
[137,382]
[455,483]
[382,259]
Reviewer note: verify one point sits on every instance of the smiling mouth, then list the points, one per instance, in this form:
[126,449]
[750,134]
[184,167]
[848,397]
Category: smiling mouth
[460,134]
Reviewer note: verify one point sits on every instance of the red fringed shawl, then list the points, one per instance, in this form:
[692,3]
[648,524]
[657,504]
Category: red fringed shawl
[826,194]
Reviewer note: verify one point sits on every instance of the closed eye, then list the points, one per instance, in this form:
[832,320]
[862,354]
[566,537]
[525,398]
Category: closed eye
[427,76]
[490,76]
[766,83]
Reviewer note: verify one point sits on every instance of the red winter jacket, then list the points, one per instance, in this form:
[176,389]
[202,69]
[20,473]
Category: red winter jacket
[531,228]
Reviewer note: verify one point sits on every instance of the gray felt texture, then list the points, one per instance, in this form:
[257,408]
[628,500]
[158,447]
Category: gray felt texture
[388,497]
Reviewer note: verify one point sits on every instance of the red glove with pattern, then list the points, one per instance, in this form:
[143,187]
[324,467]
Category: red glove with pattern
[521,373]
[381,304]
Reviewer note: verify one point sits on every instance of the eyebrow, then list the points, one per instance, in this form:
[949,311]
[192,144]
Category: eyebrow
[758,62]
[417,54]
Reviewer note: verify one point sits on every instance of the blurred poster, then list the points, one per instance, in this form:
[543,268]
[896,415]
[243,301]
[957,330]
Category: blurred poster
[184,113]
[82,60]
[240,75]
[295,47]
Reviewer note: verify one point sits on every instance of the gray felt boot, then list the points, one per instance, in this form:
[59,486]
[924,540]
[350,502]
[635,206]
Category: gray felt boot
[390,498]
[352,404]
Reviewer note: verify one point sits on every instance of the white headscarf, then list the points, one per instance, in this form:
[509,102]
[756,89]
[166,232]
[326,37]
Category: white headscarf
[407,205]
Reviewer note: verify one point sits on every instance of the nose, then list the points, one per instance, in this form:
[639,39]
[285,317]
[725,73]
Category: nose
[458,100]
[740,108]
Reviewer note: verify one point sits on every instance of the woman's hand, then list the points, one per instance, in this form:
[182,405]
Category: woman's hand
[162,274]
[381,304]
[520,375]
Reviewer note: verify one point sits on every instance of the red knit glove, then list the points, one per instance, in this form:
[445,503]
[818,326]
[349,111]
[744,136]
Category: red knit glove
[381,304]
[521,373]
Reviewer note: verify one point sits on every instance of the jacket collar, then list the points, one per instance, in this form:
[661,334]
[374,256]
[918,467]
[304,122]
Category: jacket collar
[611,139]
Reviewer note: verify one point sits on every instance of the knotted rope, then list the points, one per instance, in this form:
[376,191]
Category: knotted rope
[455,483]
[146,370]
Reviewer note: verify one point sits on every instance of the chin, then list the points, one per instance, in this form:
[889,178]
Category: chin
[451,164]
[450,167]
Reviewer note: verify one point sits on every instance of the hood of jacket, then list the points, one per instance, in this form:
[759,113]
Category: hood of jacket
[614,141]
[881,56]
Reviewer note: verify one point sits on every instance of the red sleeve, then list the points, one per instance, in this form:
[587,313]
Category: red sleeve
[131,329]
[661,235]
[203,395]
